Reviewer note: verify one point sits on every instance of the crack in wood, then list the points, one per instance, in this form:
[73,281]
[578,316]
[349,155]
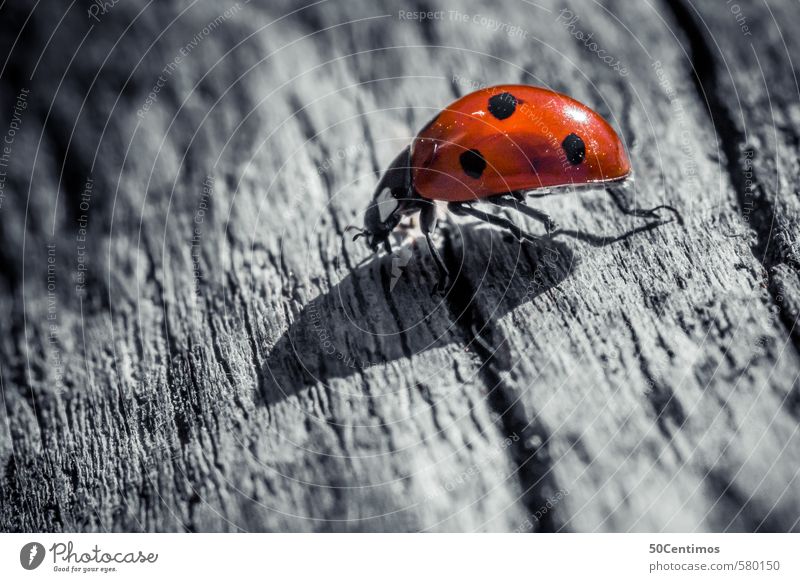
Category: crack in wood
[530,453]
[739,159]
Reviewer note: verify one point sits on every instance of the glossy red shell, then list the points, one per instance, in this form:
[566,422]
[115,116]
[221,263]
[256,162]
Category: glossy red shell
[525,138]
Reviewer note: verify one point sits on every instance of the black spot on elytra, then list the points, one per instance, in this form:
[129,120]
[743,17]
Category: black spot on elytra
[574,148]
[502,106]
[473,163]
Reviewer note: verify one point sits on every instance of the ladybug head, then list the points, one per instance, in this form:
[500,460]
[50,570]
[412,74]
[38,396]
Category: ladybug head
[393,197]
[382,215]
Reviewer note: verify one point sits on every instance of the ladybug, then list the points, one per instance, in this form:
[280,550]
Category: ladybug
[497,145]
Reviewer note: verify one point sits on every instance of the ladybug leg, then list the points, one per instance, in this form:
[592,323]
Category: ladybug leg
[518,203]
[461,209]
[427,222]
[601,240]
[619,201]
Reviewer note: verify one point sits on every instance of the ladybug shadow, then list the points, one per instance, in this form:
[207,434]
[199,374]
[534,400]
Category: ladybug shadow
[383,313]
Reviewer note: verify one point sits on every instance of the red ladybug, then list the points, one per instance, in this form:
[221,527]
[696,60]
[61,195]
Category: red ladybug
[495,145]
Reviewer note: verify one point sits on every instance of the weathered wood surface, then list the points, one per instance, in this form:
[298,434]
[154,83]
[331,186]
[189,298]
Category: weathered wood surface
[225,362]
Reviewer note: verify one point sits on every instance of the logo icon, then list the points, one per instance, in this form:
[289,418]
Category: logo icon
[31,555]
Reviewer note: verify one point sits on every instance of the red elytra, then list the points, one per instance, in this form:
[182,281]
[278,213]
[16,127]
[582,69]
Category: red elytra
[493,146]
[514,137]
